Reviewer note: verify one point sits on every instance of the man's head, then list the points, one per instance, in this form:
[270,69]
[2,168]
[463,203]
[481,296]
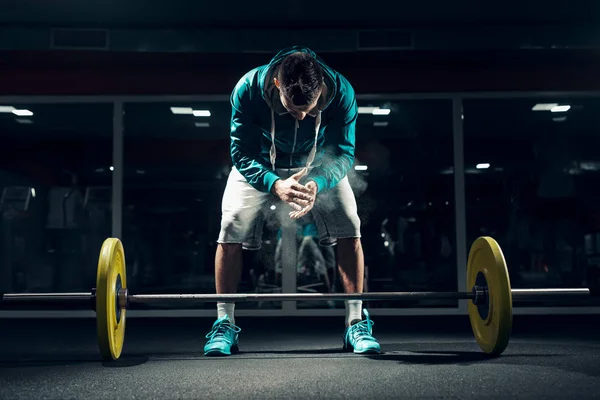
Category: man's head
[300,83]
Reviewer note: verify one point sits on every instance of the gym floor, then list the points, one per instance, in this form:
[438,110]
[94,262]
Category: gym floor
[548,356]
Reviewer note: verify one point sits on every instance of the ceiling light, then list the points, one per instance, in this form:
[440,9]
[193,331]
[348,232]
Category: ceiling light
[374,110]
[361,167]
[544,106]
[201,113]
[182,110]
[560,108]
[22,113]
[483,166]
[366,110]
[382,111]
[6,109]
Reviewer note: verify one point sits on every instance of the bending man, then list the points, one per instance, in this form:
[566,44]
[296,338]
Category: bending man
[292,141]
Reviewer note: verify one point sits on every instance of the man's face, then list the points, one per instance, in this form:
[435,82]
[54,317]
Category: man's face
[298,112]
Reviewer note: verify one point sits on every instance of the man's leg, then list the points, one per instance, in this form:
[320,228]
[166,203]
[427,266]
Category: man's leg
[241,225]
[351,268]
[228,267]
[359,333]
[228,273]
[223,337]
[351,264]
[336,216]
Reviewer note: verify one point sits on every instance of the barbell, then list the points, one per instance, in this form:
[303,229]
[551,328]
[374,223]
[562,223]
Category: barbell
[490,306]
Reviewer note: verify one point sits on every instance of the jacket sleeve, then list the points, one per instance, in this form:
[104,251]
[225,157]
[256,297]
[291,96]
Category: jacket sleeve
[245,141]
[339,145]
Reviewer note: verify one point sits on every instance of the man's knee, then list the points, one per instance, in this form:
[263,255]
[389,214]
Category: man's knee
[230,247]
[349,244]
[227,253]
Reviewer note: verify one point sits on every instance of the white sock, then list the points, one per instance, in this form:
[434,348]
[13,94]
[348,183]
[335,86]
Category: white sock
[226,309]
[353,311]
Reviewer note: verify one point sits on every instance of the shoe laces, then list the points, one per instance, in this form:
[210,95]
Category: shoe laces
[362,330]
[223,331]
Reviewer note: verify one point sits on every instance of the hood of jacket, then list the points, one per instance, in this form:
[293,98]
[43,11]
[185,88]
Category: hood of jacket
[271,94]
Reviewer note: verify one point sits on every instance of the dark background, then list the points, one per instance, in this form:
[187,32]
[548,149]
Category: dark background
[184,47]
[502,58]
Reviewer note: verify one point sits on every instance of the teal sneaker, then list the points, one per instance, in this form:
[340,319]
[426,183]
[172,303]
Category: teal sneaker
[359,336]
[222,339]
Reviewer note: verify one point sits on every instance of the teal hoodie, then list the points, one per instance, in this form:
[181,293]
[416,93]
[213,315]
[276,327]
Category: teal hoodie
[256,109]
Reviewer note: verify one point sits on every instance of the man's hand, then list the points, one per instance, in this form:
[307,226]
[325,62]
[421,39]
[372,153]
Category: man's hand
[312,186]
[292,192]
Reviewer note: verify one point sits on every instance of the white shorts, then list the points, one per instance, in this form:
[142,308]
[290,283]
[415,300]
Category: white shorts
[244,210]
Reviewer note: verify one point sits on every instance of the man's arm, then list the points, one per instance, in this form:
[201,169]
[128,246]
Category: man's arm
[245,140]
[339,143]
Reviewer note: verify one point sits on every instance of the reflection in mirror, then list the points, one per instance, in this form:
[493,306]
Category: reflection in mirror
[176,166]
[404,187]
[55,188]
[177,162]
[532,169]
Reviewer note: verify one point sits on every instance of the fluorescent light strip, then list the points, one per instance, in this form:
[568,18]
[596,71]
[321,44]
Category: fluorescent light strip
[374,110]
[560,108]
[182,110]
[190,111]
[361,167]
[366,110]
[382,111]
[22,113]
[544,106]
[483,166]
[6,109]
[201,113]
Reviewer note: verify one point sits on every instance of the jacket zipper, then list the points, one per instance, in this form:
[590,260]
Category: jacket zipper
[294,145]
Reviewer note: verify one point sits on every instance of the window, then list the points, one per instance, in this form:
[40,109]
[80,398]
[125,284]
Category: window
[532,171]
[404,186]
[177,163]
[55,188]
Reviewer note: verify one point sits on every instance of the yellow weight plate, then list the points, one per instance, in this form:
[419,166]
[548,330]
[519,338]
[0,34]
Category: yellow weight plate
[491,322]
[110,318]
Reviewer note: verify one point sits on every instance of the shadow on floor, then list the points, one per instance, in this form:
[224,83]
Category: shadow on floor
[447,357]
[37,361]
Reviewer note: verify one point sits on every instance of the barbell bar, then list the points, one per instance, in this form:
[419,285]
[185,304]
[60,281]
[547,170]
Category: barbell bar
[490,308]
[35,299]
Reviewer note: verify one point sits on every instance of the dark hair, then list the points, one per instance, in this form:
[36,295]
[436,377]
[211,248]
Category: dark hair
[301,77]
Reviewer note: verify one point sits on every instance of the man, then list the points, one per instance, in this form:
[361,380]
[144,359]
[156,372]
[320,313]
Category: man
[292,139]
